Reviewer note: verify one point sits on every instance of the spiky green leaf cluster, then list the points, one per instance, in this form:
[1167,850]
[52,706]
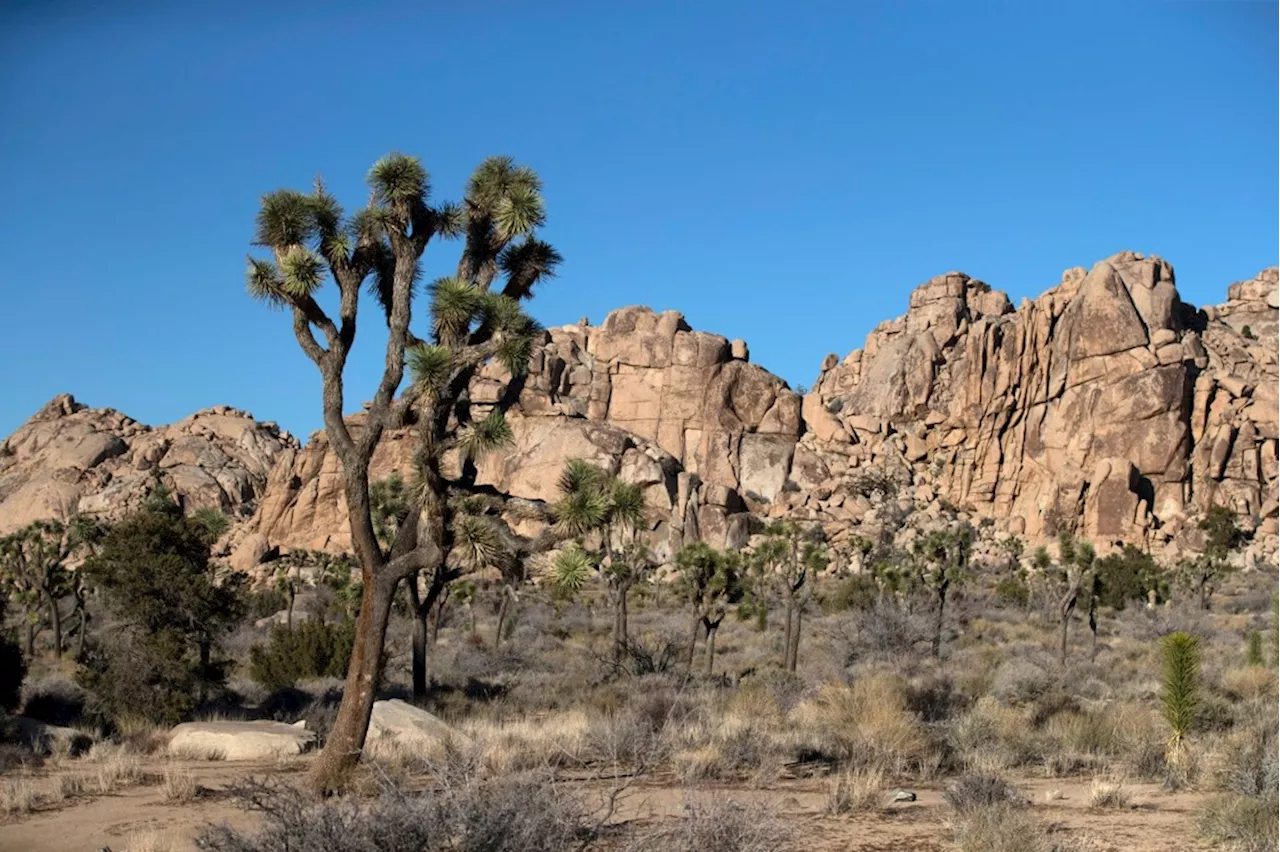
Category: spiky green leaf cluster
[398,179]
[486,435]
[286,217]
[262,281]
[478,542]
[455,304]
[526,263]
[301,271]
[572,568]
[430,366]
[1180,695]
[513,330]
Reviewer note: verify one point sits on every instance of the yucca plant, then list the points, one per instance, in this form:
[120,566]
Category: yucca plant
[1180,695]
[1253,655]
[476,316]
[596,504]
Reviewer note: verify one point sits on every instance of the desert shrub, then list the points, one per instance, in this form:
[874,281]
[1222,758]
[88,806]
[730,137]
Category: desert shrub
[1012,592]
[1242,823]
[1180,695]
[1106,793]
[717,824]
[864,725]
[856,592]
[1001,828]
[975,792]
[522,813]
[935,698]
[991,736]
[312,648]
[128,677]
[1129,576]
[646,655]
[857,791]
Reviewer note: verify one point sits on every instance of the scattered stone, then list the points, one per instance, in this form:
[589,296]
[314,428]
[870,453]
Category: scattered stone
[239,740]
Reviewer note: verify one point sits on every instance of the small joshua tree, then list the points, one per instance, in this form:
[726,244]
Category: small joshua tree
[709,581]
[594,503]
[1180,695]
[942,557]
[1203,573]
[786,562]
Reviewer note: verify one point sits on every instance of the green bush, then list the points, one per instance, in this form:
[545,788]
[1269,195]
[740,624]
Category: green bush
[130,677]
[1012,592]
[313,648]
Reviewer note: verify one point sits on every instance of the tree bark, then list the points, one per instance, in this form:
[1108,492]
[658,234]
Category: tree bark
[347,737]
[693,642]
[788,615]
[55,623]
[939,620]
[503,606]
[31,639]
[711,648]
[795,640]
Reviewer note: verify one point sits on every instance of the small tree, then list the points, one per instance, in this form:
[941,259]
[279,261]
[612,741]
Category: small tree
[34,571]
[1070,576]
[709,581]
[942,561]
[1203,574]
[594,504]
[155,569]
[785,562]
[1180,695]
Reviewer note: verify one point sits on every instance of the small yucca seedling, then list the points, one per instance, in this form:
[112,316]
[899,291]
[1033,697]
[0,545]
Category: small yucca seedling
[1254,655]
[1180,696]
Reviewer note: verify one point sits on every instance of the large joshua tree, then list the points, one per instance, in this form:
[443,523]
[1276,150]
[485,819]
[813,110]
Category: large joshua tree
[476,316]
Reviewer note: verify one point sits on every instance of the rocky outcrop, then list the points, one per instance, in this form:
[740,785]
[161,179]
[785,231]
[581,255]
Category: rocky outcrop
[1106,403]
[70,458]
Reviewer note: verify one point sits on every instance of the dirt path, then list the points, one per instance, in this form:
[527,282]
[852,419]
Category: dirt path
[1155,821]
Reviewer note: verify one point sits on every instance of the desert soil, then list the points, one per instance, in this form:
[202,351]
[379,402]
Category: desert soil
[1155,821]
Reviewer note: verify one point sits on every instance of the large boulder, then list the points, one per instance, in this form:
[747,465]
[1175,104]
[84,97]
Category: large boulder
[261,740]
[400,723]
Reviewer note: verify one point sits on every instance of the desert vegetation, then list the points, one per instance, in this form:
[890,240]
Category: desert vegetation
[591,685]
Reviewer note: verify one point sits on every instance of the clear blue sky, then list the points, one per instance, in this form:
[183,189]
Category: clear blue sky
[780,172]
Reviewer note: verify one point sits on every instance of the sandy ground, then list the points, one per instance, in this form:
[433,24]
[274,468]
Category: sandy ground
[141,818]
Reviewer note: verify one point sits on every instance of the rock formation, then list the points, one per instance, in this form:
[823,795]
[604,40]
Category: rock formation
[69,458]
[1106,404]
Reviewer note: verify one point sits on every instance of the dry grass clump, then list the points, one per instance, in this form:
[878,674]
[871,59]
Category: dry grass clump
[864,725]
[1250,683]
[1108,793]
[179,785]
[154,841]
[855,791]
[18,796]
[1242,823]
[717,824]
[1000,828]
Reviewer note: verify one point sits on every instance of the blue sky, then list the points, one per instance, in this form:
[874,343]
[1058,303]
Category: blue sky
[781,172]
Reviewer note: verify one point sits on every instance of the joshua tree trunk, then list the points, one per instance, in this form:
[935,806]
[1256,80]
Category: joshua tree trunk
[55,623]
[1093,628]
[794,650]
[619,623]
[346,739]
[1065,608]
[503,607]
[30,650]
[422,635]
[712,627]
[693,641]
[788,615]
[940,616]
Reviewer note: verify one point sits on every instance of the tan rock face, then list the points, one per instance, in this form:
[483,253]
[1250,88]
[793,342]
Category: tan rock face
[1105,404]
[69,458]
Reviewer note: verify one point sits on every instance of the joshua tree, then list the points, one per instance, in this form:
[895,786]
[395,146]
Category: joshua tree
[942,561]
[1069,575]
[786,560]
[595,503]
[474,319]
[33,567]
[709,580]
